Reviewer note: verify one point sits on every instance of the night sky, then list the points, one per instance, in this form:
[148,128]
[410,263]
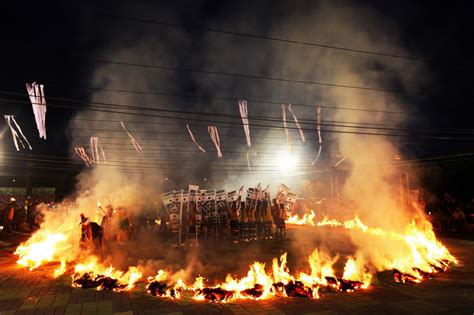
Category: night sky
[52,42]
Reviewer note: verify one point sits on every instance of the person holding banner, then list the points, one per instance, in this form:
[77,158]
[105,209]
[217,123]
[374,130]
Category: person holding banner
[234,221]
[244,218]
[267,219]
[280,220]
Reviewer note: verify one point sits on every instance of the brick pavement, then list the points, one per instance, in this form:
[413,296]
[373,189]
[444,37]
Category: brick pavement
[25,292]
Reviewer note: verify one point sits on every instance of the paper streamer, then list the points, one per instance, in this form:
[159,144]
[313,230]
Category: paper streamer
[38,101]
[245,120]
[95,149]
[297,123]
[320,139]
[83,155]
[194,140]
[214,133]
[16,138]
[135,143]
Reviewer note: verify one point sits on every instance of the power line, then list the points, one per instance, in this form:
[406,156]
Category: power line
[248,76]
[230,99]
[255,36]
[239,123]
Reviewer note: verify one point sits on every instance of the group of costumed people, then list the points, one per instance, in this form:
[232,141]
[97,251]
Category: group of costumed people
[115,226]
[248,218]
[197,212]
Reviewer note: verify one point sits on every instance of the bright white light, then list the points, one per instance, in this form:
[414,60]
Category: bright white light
[287,161]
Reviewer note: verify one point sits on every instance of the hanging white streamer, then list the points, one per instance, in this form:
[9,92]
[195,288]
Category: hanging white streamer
[16,137]
[320,139]
[38,101]
[285,125]
[194,140]
[297,123]
[83,155]
[95,149]
[214,133]
[245,120]
[318,126]
[317,156]
[135,143]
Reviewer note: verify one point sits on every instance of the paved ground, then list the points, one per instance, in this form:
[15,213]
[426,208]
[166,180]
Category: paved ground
[25,292]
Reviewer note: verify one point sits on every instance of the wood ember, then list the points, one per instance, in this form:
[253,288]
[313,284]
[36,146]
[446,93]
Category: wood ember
[215,294]
[254,292]
[401,277]
[89,281]
[349,285]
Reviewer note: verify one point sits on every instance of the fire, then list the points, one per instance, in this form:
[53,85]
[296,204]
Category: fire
[159,286]
[425,254]
[93,274]
[61,270]
[260,284]
[353,272]
[307,219]
[40,249]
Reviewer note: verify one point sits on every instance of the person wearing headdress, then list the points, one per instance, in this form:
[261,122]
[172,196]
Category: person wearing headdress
[86,231]
[106,222]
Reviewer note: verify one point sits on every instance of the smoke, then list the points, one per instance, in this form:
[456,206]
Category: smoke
[170,159]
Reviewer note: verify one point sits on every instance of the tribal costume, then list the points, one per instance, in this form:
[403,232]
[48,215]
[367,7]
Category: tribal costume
[244,218]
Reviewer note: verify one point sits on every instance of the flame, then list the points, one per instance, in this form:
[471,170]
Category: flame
[40,249]
[424,251]
[353,272]
[126,279]
[419,254]
[61,270]
[307,219]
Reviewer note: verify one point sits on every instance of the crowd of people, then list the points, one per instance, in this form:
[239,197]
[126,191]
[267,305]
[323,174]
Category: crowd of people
[450,215]
[19,214]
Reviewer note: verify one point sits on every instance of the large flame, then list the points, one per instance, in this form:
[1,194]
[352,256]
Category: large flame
[307,219]
[420,255]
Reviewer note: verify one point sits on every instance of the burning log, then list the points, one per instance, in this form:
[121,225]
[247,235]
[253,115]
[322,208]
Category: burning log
[294,289]
[254,292]
[214,294]
[89,281]
[401,277]
[161,289]
[349,285]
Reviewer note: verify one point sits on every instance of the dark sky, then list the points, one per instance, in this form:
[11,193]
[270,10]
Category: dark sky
[47,41]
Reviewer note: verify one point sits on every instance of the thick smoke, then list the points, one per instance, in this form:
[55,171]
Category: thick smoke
[136,182]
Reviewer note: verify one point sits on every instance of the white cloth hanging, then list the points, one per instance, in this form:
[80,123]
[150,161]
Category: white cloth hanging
[95,149]
[194,140]
[214,133]
[83,155]
[16,138]
[297,123]
[38,101]
[285,125]
[135,143]
[320,139]
[245,120]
